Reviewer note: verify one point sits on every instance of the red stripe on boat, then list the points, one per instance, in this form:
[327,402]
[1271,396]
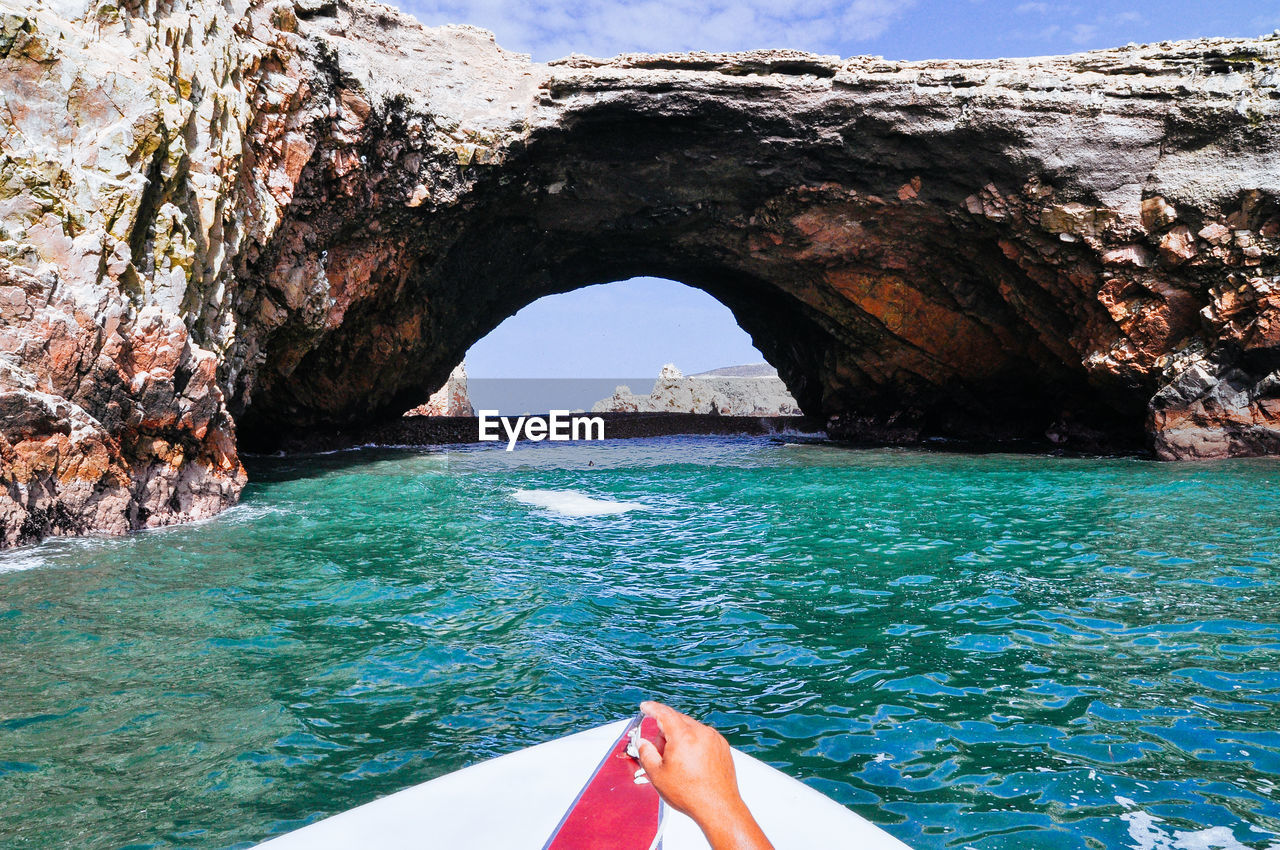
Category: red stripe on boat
[612,812]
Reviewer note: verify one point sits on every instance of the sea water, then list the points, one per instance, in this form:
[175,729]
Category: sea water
[988,651]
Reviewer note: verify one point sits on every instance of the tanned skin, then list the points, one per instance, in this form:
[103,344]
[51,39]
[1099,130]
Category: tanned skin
[695,775]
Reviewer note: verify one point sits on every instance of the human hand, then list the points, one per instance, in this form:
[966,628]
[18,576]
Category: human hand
[694,774]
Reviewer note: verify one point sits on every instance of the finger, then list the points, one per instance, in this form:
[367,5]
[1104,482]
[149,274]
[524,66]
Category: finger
[668,718]
[649,757]
[664,716]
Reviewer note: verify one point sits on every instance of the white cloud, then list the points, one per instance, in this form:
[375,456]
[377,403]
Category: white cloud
[552,28]
[1069,24]
[1083,34]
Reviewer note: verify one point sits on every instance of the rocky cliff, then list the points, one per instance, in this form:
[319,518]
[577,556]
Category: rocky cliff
[450,400]
[254,217]
[722,392]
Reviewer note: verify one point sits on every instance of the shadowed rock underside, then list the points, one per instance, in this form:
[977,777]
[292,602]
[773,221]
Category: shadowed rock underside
[223,218]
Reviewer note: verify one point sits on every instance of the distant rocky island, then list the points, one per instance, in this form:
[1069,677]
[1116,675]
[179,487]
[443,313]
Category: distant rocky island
[751,390]
[748,399]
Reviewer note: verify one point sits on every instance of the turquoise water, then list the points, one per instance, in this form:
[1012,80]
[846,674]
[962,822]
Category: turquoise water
[973,651]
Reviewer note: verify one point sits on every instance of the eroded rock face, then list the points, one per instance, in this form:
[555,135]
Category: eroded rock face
[114,205]
[300,215]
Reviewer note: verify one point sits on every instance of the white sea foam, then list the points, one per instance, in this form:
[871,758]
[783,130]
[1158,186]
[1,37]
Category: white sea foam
[48,553]
[12,563]
[1147,834]
[573,503]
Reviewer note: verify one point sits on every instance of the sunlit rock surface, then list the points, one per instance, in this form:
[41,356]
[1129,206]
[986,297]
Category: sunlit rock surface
[223,217]
[722,392]
[450,400]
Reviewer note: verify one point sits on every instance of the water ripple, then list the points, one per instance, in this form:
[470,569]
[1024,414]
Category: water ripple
[974,651]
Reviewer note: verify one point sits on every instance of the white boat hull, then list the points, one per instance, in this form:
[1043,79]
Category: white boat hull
[514,802]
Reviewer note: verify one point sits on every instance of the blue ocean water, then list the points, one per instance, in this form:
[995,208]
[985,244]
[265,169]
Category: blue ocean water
[987,651]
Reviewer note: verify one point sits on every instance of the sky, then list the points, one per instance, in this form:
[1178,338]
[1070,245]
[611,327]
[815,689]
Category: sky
[641,328]
[895,29]
[614,330]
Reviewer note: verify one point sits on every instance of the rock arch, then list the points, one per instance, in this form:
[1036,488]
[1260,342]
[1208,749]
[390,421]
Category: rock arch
[326,204]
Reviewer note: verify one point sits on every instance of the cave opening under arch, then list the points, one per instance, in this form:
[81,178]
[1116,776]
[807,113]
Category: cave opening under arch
[572,350]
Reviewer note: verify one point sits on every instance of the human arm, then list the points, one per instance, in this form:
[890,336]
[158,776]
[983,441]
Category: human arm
[694,774]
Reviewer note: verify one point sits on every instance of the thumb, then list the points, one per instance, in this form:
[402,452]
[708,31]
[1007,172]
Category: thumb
[650,758]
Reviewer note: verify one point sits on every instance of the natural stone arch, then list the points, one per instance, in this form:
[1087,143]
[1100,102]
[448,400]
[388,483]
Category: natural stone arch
[301,214]
[881,268]
[884,339]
